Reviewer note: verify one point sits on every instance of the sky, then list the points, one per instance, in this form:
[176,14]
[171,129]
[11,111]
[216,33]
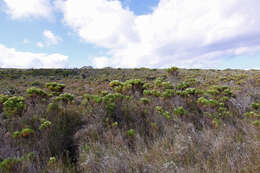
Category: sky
[130,33]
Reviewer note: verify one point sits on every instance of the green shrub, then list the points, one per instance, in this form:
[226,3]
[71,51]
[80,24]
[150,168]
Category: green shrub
[14,105]
[156,93]
[167,115]
[104,93]
[167,85]
[159,109]
[148,92]
[131,133]
[119,89]
[251,114]
[44,124]
[26,132]
[256,123]
[203,101]
[158,82]
[3,98]
[173,70]
[255,106]
[35,92]
[179,111]
[92,98]
[10,165]
[114,124]
[147,85]
[65,98]
[145,100]
[52,107]
[115,83]
[216,122]
[168,93]
[16,134]
[55,87]
[52,160]
[36,83]
[213,92]
[183,85]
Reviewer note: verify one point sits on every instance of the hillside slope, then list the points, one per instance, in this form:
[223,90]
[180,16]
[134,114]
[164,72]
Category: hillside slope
[129,120]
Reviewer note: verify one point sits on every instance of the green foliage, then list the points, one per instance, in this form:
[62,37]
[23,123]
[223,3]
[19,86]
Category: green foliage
[52,107]
[10,165]
[183,85]
[134,82]
[92,98]
[148,92]
[55,87]
[168,93]
[3,98]
[131,133]
[44,124]
[252,114]
[158,82]
[115,83]
[13,106]
[26,132]
[16,134]
[203,101]
[216,122]
[114,124]
[227,92]
[189,92]
[52,161]
[156,93]
[167,85]
[110,102]
[159,109]
[213,92]
[173,70]
[35,92]
[87,148]
[104,93]
[147,85]
[36,83]
[255,106]
[145,100]
[179,111]
[224,90]
[256,123]
[65,98]
[130,107]
[167,115]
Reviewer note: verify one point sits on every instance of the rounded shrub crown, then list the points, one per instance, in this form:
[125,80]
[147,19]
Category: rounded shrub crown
[14,105]
[55,87]
[35,92]
[66,97]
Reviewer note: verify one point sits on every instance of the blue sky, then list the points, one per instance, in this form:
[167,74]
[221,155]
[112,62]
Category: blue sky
[129,33]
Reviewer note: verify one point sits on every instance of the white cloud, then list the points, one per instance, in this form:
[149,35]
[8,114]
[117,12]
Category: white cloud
[28,8]
[26,41]
[11,58]
[102,22]
[178,32]
[40,44]
[101,62]
[50,38]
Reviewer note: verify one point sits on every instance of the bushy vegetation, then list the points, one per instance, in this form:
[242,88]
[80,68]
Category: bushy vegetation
[129,120]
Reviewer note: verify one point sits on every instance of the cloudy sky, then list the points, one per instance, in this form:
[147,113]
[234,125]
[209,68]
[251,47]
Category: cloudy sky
[130,33]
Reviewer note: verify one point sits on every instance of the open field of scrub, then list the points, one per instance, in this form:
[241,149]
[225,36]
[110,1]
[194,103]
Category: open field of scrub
[129,121]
